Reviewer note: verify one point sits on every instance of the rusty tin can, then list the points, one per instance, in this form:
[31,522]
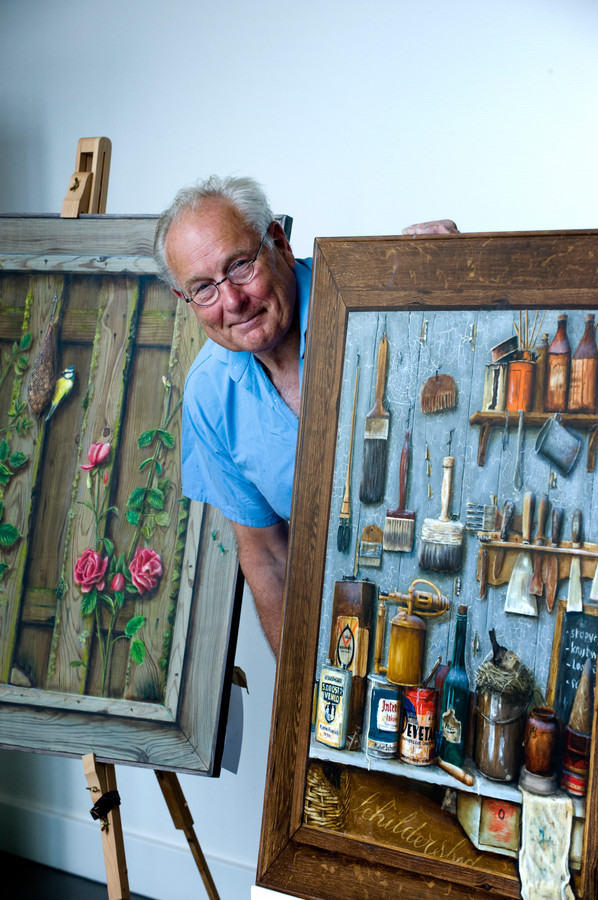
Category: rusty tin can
[418,723]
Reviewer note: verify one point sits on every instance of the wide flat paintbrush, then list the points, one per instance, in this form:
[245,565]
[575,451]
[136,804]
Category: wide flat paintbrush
[377,421]
[441,546]
[400,522]
[343,536]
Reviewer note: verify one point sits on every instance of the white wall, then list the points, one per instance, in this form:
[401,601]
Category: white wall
[358,118]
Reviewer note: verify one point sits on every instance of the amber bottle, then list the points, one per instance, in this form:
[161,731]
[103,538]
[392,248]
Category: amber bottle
[559,364]
[584,366]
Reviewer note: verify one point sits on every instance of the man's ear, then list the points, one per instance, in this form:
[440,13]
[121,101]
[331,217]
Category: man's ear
[177,293]
[281,242]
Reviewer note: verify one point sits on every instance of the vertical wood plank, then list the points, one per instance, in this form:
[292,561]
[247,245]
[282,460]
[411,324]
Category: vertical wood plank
[110,363]
[20,491]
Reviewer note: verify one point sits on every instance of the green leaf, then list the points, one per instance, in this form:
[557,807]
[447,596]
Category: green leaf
[108,601]
[132,517]
[22,363]
[89,602]
[163,519]
[9,534]
[133,625]
[167,438]
[109,546]
[3,568]
[4,470]
[158,467]
[76,663]
[119,598]
[26,340]
[137,651]
[18,459]
[120,564]
[147,437]
[136,498]
[146,462]
[155,498]
[4,449]
[147,531]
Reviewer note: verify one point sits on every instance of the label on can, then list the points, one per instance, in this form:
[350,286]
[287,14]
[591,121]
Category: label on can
[383,733]
[417,743]
[333,706]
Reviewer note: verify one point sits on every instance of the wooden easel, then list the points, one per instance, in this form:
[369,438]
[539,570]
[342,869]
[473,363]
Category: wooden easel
[101,781]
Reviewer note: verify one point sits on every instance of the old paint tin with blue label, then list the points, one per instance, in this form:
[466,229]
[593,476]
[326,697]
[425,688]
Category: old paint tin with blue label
[384,714]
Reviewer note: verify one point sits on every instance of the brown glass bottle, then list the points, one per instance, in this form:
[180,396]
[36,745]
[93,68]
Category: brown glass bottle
[541,372]
[584,366]
[559,364]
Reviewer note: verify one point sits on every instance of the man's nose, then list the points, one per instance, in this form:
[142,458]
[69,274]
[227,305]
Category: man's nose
[231,295]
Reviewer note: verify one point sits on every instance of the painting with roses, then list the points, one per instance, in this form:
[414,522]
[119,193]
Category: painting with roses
[118,596]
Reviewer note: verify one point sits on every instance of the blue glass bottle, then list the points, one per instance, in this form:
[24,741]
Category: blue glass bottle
[455,699]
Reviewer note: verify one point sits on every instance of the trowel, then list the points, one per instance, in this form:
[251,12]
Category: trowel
[519,600]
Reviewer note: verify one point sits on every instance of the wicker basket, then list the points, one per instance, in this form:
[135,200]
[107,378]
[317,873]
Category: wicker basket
[326,803]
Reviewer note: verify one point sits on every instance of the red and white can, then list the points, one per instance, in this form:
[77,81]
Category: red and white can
[418,726]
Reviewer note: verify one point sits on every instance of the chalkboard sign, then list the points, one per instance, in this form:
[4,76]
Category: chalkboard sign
[575,640]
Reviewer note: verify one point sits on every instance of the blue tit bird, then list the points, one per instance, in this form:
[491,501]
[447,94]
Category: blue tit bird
[62,388]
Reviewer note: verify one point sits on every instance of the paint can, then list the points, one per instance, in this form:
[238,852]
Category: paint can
[384,715]
[575,762]
[332,712]
[418,722]
[520,385]
[557,444]
[495,387]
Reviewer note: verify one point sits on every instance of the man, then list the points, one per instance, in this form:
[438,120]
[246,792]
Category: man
[220,250]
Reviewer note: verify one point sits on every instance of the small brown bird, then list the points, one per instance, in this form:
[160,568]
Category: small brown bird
[501,656]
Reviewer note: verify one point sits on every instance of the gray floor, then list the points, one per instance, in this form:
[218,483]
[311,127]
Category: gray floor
[27,880]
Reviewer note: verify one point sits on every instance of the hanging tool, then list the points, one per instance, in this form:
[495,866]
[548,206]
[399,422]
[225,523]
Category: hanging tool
[370,546]
[518,477]
[574,601]
[508,513]
[438,394]
[519,600]
[400,522]
[536,586]
[375,447]
[343,537]
[551,560]
[441,546]
[88,187]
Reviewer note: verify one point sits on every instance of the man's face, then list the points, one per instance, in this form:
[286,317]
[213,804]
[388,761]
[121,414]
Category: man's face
[254,316]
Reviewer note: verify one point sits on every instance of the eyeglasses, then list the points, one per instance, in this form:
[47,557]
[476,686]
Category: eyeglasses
[239,272]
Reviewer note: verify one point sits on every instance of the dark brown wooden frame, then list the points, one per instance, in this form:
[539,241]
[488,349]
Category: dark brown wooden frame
[481,271]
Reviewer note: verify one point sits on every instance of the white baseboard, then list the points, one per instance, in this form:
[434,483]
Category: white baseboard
[161,870]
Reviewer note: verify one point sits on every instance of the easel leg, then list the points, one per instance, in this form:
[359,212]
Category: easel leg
[101,778]
[177,805]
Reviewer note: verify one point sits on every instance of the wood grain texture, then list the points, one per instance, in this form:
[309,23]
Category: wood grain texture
[476,273]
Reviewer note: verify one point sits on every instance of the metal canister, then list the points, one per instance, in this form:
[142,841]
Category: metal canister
[495,387]
[384,715]
[406,648]
[418,726]
[500,724]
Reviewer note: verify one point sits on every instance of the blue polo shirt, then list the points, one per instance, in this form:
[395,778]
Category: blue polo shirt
[239,436]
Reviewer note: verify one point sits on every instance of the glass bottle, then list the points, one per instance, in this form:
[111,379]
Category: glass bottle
[559,364]
[455,699]
[584,366]
[541,364]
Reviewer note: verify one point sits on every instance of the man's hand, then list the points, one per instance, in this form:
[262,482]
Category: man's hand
[263,559]
[442,226]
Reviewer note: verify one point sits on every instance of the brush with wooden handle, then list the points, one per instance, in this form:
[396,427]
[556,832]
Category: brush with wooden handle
[377,422]
[343,537]
[441,546]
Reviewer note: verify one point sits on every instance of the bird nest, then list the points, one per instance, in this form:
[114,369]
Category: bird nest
[518,681]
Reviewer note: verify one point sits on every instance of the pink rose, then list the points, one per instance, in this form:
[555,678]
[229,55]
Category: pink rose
[97,454]
[118,582]
[145,569]
[89,570]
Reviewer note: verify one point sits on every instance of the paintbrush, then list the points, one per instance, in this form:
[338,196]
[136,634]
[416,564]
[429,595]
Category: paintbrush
[441,546]
[343,537]
[400,522]
[373,471]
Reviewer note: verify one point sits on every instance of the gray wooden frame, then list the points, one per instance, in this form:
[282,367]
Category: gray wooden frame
[185,732]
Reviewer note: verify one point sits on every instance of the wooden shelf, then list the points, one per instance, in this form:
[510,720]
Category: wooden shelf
[489,420]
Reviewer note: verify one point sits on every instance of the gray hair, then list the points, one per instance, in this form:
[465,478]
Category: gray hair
[245,194]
